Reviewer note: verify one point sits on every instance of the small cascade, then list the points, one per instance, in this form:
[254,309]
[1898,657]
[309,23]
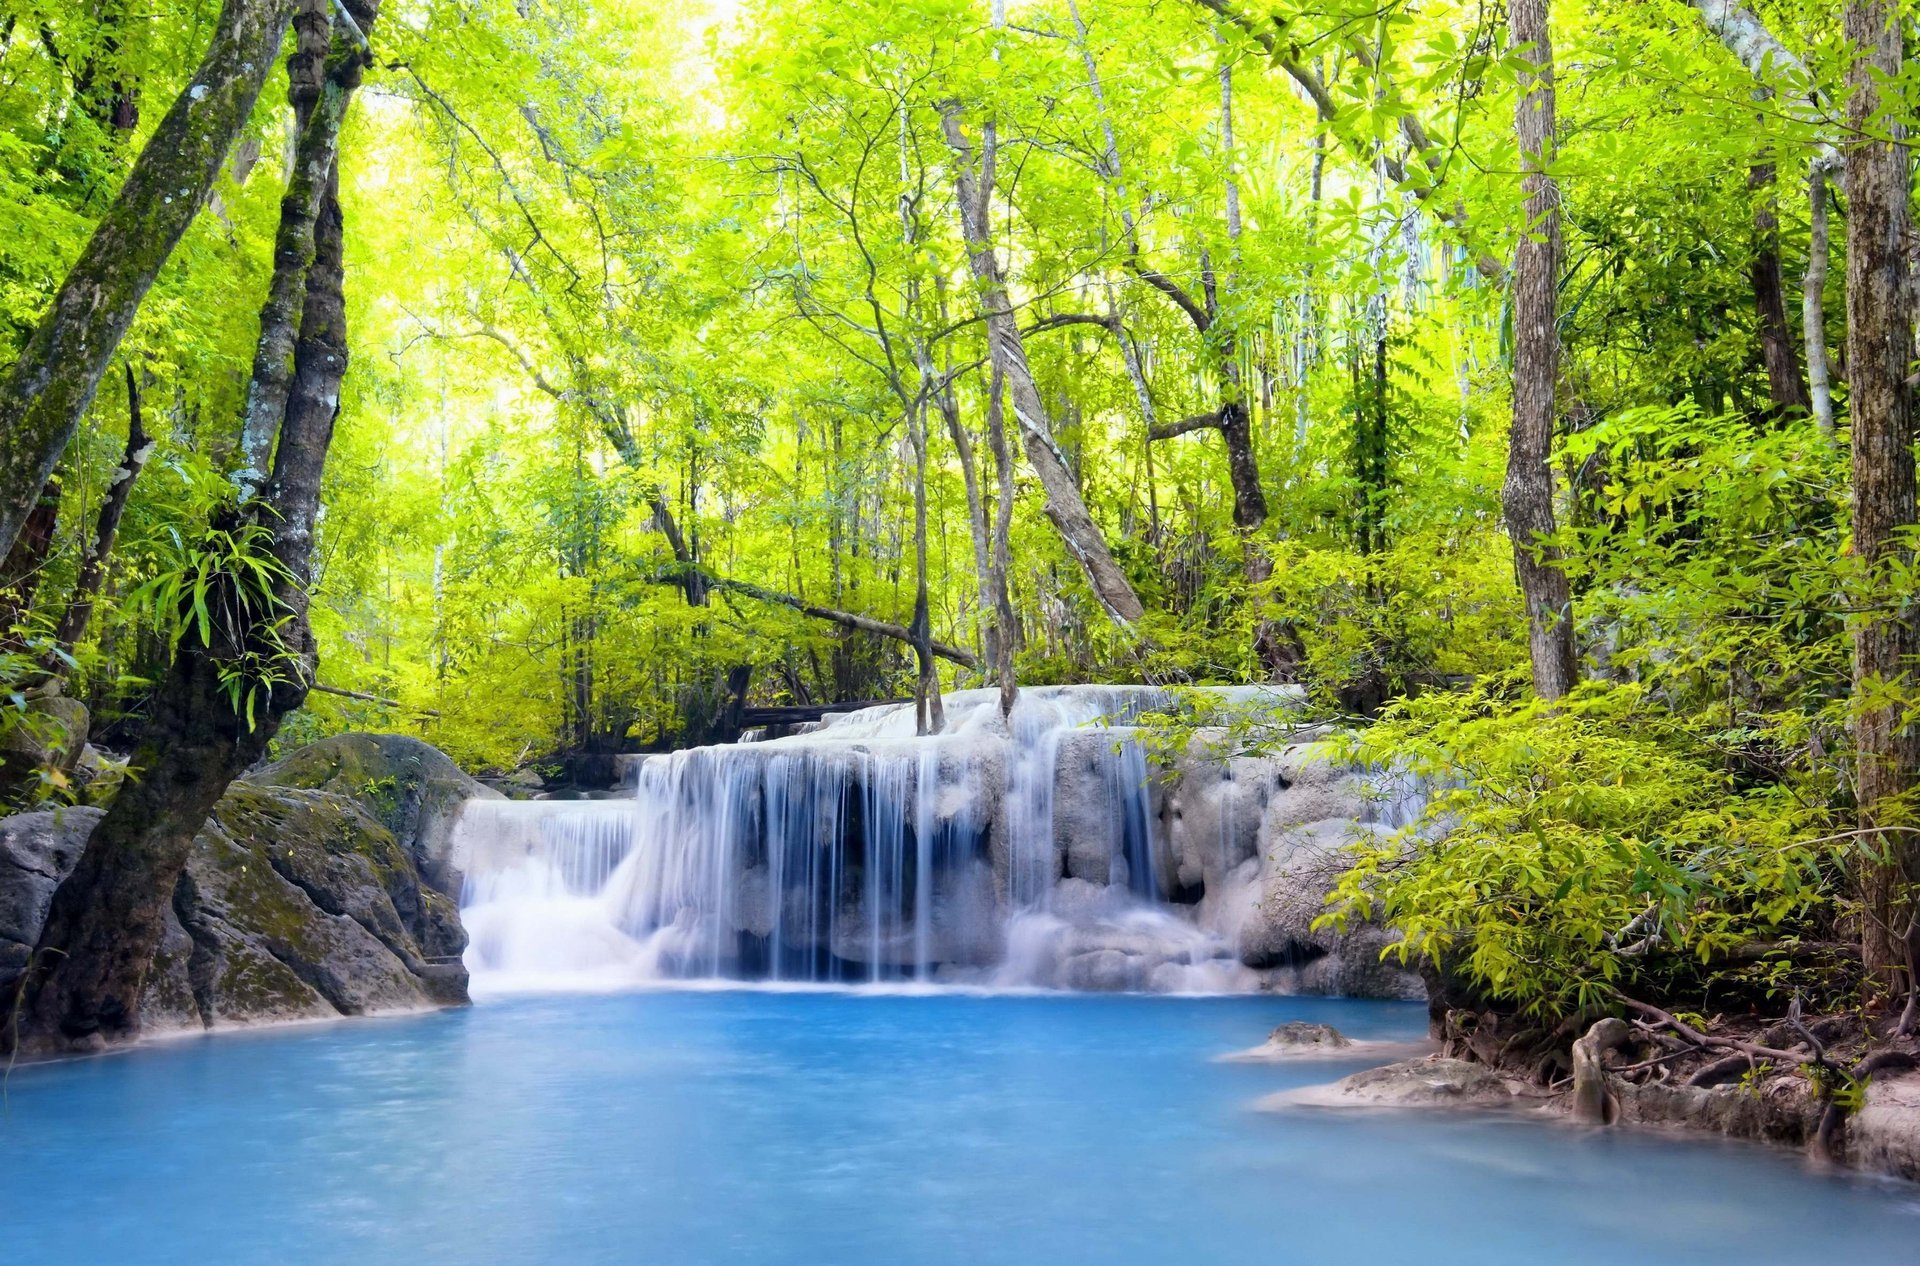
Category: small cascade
[1030,851]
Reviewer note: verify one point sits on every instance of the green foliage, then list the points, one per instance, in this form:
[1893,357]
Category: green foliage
[627,266]
[223,599]
[1568,852]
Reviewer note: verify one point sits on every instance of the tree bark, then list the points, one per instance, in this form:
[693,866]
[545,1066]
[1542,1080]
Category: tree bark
[1784,386]
[1747,38]
[1813,301]
[58,372]
[83,986]
[1528,493]
[318,108]
[106,529]
[978,527]
[1064,506]
[1008,622]
[1879,357]
[21,569]
[845,619]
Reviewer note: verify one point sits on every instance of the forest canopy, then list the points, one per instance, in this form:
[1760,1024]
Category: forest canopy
[1536,386]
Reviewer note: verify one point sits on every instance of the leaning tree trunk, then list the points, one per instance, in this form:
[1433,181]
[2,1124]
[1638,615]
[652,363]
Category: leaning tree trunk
[1528,493]
[1064,506]
[1879,357]
[57,374]
[83,985]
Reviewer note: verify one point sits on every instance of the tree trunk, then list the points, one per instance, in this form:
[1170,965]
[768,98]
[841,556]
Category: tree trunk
[1879,357]
[1064,506]
[930,715]
[1528,493]
[58,372]
[317,112]
[93,564]
[1813,301]
[978,525]
[1785,388]
[1008,623]
[82,989]
[21,569]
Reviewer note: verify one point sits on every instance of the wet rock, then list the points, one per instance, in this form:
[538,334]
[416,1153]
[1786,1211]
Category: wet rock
[1776,1110]
[1434,1082]
[1101,971]
[1884,1135]
[1298,1034]
[410,787]
[36,852]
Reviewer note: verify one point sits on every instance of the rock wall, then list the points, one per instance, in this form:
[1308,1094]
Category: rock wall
[320,887]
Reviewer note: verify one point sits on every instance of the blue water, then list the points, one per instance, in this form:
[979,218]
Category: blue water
[841,1130]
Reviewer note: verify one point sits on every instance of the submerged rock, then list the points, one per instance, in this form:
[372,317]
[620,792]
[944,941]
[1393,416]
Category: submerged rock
[1434,1082]
[319,887]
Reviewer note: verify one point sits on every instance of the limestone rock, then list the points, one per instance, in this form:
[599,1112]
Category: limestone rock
[1884,1135]
[1305,1033]
[36,852]
[1434,1082]
[296,902]
[409,786]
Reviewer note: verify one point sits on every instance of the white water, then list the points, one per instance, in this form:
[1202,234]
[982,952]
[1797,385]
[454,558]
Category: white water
[857,853]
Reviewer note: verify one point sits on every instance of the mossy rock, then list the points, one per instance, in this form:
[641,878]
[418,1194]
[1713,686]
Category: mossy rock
[409,786]
[298,901]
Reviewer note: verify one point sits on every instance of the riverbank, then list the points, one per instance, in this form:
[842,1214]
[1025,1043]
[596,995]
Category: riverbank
[1870,1121]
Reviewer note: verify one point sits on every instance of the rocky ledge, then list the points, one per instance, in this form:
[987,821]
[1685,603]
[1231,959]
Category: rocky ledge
[1881,1136]
[320,887]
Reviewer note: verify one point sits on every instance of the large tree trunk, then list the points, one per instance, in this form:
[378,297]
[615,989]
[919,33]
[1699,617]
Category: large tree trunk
[57,374]
[82,989]
[1064,506]
[93,564]
[1879,357]
[317,115]
[1528,493]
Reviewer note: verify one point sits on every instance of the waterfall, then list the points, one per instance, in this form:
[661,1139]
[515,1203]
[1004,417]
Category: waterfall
[1021,852]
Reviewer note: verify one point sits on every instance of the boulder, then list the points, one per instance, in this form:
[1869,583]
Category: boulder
[1434,1082]
[36,852]
[409,786]
[1306,1035]
[297,902]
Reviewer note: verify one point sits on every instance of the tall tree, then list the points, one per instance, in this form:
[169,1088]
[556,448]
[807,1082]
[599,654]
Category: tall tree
[54,381]
[1528,494]
[1008,352]
[240,668]
[1880,353]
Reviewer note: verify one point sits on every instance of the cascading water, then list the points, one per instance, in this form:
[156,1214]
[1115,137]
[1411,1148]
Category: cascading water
[1029,852]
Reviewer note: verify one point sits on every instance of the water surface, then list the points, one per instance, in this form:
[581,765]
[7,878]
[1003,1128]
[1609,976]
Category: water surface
[846,1128]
